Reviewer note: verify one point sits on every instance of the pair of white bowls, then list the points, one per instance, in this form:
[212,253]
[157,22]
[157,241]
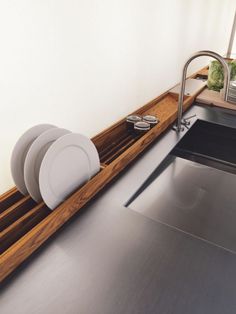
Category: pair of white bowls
[50,163]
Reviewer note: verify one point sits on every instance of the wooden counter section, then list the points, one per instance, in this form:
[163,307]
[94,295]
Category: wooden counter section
[213,98]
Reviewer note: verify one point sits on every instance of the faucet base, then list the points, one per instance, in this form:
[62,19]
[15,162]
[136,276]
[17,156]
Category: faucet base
[178,129]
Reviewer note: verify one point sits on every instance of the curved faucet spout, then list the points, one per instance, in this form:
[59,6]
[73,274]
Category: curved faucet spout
[202,53]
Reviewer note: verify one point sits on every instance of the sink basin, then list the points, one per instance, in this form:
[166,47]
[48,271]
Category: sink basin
[209,144]
[194,188]
[196,199]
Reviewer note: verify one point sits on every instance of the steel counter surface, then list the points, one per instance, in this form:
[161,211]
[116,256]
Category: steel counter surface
[110,259]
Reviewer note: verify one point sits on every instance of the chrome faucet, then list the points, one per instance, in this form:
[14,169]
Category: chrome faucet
[178,127]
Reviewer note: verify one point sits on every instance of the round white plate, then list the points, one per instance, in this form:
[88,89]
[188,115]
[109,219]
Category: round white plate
[34,158]
[69,163]
[19,153]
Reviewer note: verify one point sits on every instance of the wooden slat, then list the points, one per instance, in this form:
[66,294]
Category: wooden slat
[114,144]
[15,211]
[106,149]
[204,72]
[26,222]
[103,166]
[123,148]
[213,98]
[7,194]
[9,198]
[118,145]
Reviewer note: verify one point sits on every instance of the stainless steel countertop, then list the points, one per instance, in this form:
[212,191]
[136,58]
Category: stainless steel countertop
[111,259]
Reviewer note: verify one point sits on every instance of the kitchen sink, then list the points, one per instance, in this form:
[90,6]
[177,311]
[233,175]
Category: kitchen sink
[209,144]
[194,188]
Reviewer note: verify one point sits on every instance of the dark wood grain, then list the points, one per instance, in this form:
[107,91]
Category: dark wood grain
[119,151]
[115,149]
[9,198]
[15,211]
[22,225]
[109,146]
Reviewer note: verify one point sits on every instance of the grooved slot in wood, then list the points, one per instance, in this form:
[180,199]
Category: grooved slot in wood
[113,150]
[112,144]
[21,226]
[16,211]
[10,198]
[120,151]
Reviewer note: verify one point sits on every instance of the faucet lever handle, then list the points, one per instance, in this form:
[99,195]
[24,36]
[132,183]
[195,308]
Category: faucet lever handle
[190,117]
[186,121]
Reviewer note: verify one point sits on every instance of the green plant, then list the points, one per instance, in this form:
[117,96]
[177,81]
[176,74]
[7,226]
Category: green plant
[216,74]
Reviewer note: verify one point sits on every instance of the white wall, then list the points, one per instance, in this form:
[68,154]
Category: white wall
[233,54]
[84,64]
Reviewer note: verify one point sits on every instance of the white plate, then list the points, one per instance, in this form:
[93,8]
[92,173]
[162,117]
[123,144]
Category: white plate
[19,153]
[69,163]
[34,158]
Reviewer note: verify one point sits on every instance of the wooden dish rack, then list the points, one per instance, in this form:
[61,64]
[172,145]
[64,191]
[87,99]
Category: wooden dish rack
[25,225]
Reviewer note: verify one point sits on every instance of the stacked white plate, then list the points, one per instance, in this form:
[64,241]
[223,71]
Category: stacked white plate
[50,163]
[232,92]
